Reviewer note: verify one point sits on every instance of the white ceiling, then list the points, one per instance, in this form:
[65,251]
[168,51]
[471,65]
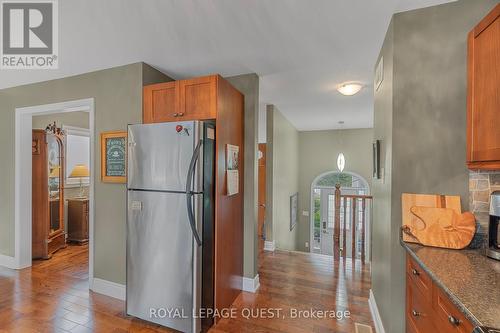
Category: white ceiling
[301,49]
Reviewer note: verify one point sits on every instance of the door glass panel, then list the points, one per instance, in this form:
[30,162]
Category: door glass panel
[317,213]
[54,171]
[331,211]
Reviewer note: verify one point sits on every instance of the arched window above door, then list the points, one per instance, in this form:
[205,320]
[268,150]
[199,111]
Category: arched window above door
[345,179]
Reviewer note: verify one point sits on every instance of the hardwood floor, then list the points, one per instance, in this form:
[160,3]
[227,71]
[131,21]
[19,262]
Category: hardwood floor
[53,296]
[303,281]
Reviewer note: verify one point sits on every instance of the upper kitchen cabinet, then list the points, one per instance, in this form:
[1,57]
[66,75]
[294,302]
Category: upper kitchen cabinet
[483,95]
[160,102]
[198,98]
[193,99]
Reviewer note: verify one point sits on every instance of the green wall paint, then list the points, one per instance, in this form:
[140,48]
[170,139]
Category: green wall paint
[118,102]
[318,151]
[248,85]
[284,177]
[76,119]
[420,117]
[381,190]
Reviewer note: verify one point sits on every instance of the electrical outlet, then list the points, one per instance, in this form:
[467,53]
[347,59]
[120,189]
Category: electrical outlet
[305,213]
[307,244]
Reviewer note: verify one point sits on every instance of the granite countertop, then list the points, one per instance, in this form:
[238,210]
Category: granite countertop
[468,277]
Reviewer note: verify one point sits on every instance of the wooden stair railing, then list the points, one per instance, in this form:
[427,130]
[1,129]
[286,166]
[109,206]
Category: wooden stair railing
[342,201]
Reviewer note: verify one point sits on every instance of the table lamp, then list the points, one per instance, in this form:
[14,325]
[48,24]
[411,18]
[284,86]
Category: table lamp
[80,171]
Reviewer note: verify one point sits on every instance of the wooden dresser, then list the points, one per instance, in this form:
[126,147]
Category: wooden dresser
[78,220]
[428,309]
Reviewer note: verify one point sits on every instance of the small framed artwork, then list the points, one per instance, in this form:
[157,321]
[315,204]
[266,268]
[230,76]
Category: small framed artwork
[294,209]
[376,159]
[232,169]
[114,157]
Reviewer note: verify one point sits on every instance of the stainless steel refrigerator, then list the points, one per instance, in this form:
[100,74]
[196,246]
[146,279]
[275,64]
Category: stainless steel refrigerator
[170,223]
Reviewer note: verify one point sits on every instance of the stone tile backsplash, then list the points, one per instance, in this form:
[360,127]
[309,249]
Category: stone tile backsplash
[481,185]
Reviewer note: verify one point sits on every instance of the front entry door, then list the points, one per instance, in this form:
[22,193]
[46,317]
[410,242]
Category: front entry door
[327,220]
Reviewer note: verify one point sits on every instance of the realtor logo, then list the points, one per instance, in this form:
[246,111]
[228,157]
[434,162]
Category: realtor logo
[29,34]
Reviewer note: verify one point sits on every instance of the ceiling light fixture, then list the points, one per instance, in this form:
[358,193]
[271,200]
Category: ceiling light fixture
[341,157]
[349,89]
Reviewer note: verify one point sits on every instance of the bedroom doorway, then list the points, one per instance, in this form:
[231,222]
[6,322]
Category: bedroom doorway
[66,150]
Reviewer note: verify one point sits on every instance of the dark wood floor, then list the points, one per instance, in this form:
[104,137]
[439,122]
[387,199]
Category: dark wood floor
[53,296]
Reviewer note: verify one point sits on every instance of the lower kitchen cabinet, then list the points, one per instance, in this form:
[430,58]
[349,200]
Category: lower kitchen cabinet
[428,309]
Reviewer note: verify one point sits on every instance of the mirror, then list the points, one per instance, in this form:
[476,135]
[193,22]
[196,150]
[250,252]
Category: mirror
[56,177]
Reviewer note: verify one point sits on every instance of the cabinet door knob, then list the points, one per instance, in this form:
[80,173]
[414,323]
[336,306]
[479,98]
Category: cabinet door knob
[454,321]
[415,313]
[175,114]
[415,272]
[181,114]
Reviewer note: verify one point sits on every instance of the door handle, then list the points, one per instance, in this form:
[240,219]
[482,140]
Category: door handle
[190,193]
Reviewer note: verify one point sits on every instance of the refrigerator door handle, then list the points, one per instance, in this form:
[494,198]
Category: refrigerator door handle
[190,193]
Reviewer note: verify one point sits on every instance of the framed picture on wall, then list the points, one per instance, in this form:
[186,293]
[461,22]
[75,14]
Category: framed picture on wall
[294,209]
[114,157]
[232,169]
[376,159]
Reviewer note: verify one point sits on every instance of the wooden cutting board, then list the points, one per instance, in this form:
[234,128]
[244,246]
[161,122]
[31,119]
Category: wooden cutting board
[436,220]
[425,200]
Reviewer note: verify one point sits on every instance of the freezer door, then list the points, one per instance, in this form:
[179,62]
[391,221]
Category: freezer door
[159,155]
[162,260]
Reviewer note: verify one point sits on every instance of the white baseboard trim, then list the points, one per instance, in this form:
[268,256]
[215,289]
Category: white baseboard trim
[251,285]
[269,246]
[377,320]
[108,288]
[8,261]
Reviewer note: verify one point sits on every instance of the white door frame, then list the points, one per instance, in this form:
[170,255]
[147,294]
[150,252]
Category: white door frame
[23,169]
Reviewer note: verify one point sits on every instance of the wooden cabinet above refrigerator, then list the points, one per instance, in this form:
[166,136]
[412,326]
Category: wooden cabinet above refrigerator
[182,100]
[483,94]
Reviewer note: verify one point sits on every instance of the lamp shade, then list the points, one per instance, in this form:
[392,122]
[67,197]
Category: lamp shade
[80,170]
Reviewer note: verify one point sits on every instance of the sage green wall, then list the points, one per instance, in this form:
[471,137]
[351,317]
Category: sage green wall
[428,114]
[248,85]
[118,102]
[75,119]
[318,151]
[382,238]
[284,178]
